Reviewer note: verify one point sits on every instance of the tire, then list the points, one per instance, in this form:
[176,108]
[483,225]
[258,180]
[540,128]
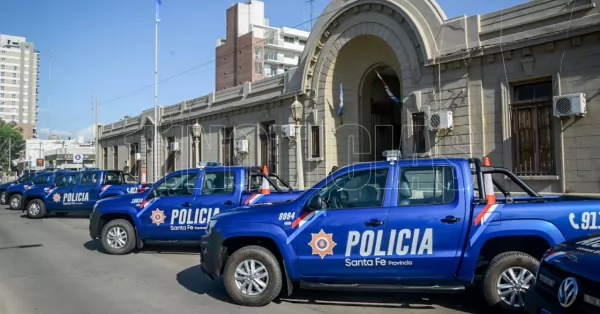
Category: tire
[16,198]
[3,198]
[518,261]
[118,225]
[36,209]
[275,277]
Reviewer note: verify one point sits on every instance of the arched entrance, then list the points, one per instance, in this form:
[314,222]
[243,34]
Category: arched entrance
[394,37]
[380,115]
[370,122]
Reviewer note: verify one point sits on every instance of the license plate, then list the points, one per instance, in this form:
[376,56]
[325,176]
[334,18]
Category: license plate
[545,312]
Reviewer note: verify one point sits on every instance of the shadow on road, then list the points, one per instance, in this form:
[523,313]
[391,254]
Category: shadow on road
[94,245]
[26,246]
[195,281]
[469,302]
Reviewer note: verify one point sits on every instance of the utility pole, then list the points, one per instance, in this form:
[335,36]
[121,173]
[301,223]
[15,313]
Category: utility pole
[312,2]
[9,155]
[96,135]
[155,137]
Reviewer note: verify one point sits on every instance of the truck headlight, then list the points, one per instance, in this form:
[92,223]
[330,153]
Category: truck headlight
[211,225]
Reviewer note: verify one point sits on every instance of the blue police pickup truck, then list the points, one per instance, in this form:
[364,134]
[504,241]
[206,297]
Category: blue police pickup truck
[568,279]
[24,179]
[408,226]
[180,205]
[79,191]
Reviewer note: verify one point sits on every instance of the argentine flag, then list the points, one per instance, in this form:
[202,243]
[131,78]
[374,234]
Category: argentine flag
[341,108]
[158,3]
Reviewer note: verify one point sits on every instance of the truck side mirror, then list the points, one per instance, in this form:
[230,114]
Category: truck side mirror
[315,203]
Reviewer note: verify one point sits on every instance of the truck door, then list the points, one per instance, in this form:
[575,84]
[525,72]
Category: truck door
[347,239]
[427,222]
[85,194]
[221,190]
[59,197]
[169,207]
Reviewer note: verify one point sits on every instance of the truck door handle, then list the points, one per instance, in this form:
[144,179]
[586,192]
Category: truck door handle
[374,223]
[450,219]
[186,204]
[229,203]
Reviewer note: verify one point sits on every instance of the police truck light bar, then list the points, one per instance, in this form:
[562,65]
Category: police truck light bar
[203,164]
[392,155]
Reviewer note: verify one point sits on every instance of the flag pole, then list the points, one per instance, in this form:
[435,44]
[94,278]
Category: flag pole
[155,137]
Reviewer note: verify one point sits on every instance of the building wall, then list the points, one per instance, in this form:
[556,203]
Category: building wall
[467,71]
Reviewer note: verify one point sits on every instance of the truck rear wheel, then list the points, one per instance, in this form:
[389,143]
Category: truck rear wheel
[36,209]
[252,276]
[118,237]
[3,198]
[15,201]
[507,279]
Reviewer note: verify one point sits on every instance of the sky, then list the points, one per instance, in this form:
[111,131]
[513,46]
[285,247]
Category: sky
[105,48]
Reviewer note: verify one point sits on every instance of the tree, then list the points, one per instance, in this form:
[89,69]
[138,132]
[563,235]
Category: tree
[11,138]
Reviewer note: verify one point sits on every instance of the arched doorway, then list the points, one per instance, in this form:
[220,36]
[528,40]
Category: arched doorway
[371,121]
[380,114]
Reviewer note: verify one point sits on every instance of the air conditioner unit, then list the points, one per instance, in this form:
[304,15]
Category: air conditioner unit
[439,120]
[241,146]
[569,105]
[288,130]
[174,146]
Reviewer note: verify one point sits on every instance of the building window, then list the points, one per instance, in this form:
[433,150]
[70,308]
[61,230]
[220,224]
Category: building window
[302,42]
[2,74]
[531,127]
[15,82]
[14,67]
[14,75]
[419,132]
[268,146]
[170,155]
[258,68]
[105,158]
[115,157]
[1,87]
[133,169]
[227,147]
[2,66]
[289,40]
[314,141]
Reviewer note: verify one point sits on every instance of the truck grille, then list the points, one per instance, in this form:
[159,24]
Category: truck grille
[557,275]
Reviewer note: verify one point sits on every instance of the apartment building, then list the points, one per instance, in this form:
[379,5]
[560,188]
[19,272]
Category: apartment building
[19,78]
[252,49]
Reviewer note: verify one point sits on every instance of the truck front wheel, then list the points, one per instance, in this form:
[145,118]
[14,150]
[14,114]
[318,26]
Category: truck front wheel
[118,237]
[507,280]
[252,276]
[15,201]
[36,209]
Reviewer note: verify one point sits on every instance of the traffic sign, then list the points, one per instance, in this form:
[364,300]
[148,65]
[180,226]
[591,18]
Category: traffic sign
[78,158]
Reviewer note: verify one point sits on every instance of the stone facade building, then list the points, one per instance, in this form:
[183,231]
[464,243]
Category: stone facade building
[496,73]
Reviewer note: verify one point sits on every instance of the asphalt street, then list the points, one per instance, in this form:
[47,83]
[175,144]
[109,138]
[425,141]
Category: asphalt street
[51,266]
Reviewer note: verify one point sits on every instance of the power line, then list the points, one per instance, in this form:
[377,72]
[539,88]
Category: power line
[136,91]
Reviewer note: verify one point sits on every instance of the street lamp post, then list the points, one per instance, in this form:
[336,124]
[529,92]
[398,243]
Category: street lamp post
[196,130]
[297,111]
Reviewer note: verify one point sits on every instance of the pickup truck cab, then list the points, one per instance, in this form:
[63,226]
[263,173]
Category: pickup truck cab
[4,186]
[179,206]
[568,278]
[78,192]
[418,225]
